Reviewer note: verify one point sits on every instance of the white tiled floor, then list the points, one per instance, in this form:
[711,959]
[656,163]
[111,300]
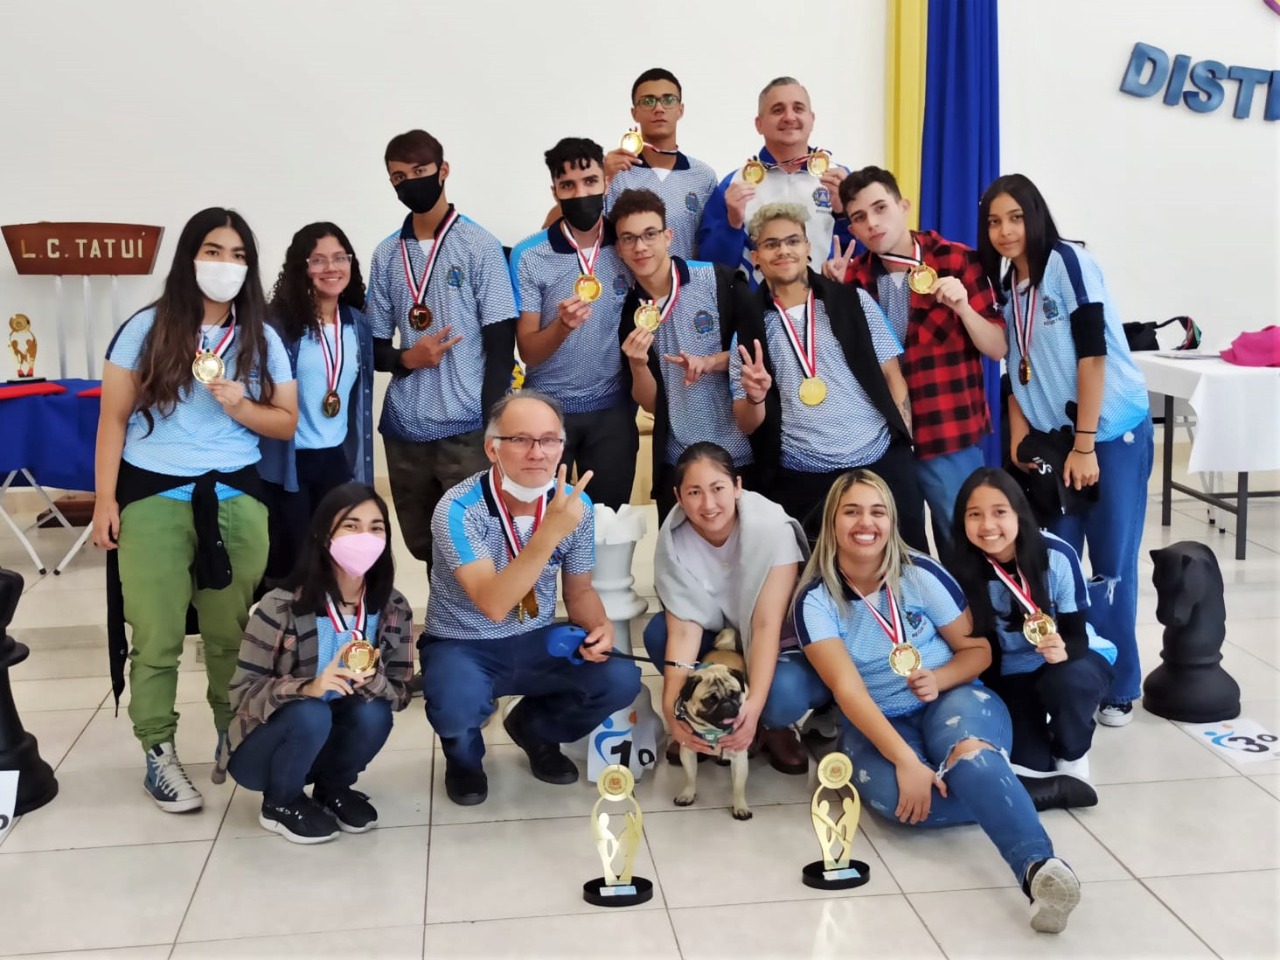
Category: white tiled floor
[1181,857]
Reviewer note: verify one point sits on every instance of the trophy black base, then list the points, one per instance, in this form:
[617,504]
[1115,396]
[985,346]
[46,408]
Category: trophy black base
[817,875]
[599,894]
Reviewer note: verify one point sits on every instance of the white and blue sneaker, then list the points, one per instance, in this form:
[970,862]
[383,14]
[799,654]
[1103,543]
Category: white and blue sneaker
[167,783]
[221,757]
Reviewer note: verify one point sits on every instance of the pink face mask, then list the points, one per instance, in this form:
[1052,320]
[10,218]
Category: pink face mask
[357,552]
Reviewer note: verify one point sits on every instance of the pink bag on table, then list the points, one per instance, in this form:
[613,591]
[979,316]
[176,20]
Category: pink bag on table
[1260,348]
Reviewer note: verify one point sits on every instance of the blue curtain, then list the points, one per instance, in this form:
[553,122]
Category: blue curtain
[961,148]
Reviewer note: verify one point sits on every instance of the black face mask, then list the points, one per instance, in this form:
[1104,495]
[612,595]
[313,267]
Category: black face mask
[420,194]
[583,212]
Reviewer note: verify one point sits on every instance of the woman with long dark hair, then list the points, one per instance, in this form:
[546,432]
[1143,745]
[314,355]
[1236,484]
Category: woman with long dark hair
[325,660]
[177,492]
[888,630]
[1028,598]
[316,307]
[1070,367]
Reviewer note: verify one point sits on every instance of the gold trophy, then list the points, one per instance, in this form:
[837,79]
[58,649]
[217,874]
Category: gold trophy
[618,887]
[836,870]
[22,344]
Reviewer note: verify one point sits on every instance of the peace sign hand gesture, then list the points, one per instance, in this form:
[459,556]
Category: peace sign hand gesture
[837,268]
[564,512]
[755,378]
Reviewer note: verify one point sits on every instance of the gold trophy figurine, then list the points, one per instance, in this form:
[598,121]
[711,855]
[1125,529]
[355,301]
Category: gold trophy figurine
[836,870]
[618,887]
[22,343]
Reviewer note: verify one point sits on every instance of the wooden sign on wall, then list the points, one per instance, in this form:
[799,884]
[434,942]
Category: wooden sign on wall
[83,249]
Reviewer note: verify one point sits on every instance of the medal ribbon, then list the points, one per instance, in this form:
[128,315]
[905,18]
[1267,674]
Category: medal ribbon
[587,263]
[340,624]
[783,163]
[650,146]
[508,525]
[1021,326]
[892,630]
[420,291]
[808,357]
[333,360]
[914,261]
[1020,589]
[225,343]
[674,296]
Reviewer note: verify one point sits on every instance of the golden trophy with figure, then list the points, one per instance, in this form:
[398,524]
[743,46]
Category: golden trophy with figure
[22,344]
[835,810]
[618,887]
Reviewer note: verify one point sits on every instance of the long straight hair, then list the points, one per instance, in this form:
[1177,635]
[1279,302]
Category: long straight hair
[312,576]
[1041,231]
[824,562]
[164,367]
[293,298]
[969,563]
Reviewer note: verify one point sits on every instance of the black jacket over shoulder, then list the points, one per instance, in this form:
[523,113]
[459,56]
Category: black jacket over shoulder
[849,324]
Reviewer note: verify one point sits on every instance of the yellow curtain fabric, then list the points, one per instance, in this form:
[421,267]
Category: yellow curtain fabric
[906,38]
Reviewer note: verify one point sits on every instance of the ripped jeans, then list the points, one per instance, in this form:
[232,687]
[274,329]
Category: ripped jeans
[981,788]
[1112,530]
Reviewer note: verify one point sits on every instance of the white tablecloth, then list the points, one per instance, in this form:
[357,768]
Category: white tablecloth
[1237,410]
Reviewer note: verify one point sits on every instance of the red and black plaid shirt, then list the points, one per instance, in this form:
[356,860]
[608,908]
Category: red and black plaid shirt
[942,367]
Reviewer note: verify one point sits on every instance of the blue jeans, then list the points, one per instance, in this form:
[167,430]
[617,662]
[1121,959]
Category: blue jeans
[940,480]
[796,686]
[1112,527]
[563,701]
[326,742]
[981,788]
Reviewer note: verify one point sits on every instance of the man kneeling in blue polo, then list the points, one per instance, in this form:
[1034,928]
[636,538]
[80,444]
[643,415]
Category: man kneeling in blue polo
[499,539]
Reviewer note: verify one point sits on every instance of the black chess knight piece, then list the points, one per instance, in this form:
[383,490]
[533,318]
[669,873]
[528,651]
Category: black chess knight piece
[1190,685]
[18,750]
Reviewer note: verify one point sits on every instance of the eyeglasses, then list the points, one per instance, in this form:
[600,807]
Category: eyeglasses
[629,240]
[320,263]
[773,245]
[667,100]
[523,444]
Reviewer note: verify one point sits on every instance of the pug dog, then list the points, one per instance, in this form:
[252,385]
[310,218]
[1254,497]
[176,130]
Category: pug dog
[709,702]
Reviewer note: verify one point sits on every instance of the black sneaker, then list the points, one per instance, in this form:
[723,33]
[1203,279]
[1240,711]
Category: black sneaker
[545,759]
[351,808]
[465,787]
[299,821]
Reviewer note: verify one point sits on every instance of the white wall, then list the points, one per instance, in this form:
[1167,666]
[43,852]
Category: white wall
[147,110]
[1182,209]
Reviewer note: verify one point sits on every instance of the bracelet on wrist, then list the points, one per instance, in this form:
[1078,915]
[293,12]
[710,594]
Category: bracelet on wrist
[1089,432]
[1085,453]
[756,403]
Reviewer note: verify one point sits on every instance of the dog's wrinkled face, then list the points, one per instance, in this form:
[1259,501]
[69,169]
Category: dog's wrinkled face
[713,696]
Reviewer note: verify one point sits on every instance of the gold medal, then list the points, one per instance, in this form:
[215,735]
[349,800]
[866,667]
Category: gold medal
[420,316]
[922,278]
[819,162]
[587,288]
[1024,371]
[813,390]
[1037,626]
[903,659]
[754,171]
[360,655]
[208,366]
[528,606]
[632,142]
[331,404]
[648,316]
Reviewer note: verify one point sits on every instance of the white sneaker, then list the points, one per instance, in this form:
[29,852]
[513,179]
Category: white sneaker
[1055,891]
[167,783]
[1078,768]
[1115,714]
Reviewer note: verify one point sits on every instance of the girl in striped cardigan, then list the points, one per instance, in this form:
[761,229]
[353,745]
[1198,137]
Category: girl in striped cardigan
[325,660]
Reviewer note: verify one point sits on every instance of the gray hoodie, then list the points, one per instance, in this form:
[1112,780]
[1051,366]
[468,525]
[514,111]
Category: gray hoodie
[761,523]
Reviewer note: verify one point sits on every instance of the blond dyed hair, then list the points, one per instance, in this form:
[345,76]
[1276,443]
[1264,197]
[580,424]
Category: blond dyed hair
[770,212]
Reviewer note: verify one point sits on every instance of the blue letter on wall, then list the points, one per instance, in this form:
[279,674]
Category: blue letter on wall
[1205,76]
[1133,84]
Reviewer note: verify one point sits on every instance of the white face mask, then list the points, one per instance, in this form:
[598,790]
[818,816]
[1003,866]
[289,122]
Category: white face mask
[519,490]
[219,280]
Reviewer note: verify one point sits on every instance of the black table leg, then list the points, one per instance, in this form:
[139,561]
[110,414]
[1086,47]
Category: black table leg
[1166,487]
[1242,513]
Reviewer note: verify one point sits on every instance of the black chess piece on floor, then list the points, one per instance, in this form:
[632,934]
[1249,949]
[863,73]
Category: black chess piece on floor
[18,750]
[1190,685]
